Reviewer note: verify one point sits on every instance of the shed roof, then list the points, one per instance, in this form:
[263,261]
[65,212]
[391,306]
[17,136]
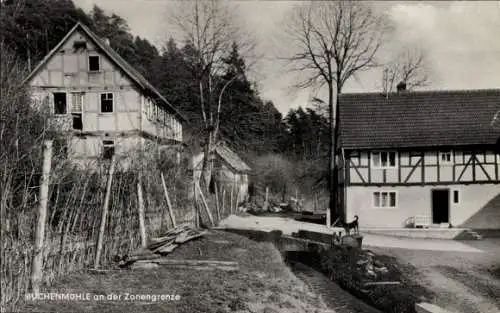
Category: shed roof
[419,119]
[228,155]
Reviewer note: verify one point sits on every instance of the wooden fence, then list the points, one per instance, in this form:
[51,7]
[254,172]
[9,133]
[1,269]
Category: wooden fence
[82,219]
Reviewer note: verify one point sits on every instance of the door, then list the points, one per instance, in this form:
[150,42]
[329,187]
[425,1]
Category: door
[440,206]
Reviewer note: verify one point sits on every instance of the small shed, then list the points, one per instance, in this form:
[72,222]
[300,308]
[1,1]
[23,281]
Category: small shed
[229,171]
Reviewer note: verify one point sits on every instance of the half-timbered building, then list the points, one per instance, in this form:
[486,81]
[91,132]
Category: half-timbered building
[431,156]
[99,103]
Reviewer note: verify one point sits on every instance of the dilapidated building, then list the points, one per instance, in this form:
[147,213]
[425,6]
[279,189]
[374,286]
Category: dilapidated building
[229,171]
[99,103]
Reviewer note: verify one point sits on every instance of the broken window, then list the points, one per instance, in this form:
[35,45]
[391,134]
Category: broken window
[60,105]
[106,103]
[108,149]
[94,63]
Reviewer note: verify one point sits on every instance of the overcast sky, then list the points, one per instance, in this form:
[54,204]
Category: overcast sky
[461,39]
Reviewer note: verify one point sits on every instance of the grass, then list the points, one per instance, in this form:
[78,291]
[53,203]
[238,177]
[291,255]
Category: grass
[480,285]
[263,283]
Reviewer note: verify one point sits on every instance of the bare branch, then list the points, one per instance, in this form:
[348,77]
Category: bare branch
[409,66]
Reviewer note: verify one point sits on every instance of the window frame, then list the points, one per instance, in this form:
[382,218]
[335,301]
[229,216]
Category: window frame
[98,63]
[112,102]
[388,206]
[445,153]
[380,165]
[65,101]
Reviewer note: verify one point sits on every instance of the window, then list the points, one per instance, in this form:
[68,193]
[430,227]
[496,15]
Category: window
[76,102]
[108,149]
[60,105]
[456,198]
[384,199]
[445,157]
[384,159]
[106,103]
[94,63]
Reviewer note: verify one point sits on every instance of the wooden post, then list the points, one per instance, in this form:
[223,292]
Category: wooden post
[104,215]
[223,200]
[328,213]
[231,204]
[169,204]
[142,227]
[37,269]
[217,201]
[205,205]
[266,202]
[195,206]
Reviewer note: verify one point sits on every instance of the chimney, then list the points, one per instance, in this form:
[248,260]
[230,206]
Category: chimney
[401,87]
[106,40]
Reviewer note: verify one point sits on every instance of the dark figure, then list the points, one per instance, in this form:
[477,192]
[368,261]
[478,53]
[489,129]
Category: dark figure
[351,225]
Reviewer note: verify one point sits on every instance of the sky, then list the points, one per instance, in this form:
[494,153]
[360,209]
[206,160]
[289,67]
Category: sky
[461,41]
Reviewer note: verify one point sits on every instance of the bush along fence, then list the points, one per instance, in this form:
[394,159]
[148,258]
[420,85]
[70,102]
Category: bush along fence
[65,217]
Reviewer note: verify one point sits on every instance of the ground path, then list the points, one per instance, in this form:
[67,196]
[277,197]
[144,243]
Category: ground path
[455,270]
[289,225]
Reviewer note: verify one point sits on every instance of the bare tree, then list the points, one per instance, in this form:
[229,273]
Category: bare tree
[335,40]
[410,67]
[211,28]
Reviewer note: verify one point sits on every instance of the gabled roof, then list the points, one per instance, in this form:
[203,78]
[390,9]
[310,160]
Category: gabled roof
[228,155]
[418,119]
[232,158]
[115,57]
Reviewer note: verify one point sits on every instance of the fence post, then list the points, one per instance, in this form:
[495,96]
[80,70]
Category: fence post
[37,268]
[266,202]
[231,204]
[169,205]
[104,215]
[205,205]
[217,201]
[223,200]
[142,227]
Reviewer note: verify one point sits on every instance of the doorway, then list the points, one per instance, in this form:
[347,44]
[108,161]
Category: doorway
[440,206]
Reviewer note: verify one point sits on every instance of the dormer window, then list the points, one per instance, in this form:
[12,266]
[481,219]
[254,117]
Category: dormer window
[445,157]
[94,63]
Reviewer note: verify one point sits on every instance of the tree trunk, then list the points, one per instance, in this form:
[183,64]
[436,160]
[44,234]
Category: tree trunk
[331,155]
[339,208]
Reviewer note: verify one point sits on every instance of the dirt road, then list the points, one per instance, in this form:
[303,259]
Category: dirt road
[462,281]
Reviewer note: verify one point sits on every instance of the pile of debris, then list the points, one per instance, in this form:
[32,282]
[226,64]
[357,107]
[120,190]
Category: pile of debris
[162,245]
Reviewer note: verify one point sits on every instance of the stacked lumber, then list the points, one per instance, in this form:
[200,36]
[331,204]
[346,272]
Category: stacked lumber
[162,245]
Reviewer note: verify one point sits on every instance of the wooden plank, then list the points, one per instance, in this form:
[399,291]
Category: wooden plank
[169,204]
[37,269]
[381,283]
[142,224]
[223,200]
[191,262]
[217,201]
[210,217]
